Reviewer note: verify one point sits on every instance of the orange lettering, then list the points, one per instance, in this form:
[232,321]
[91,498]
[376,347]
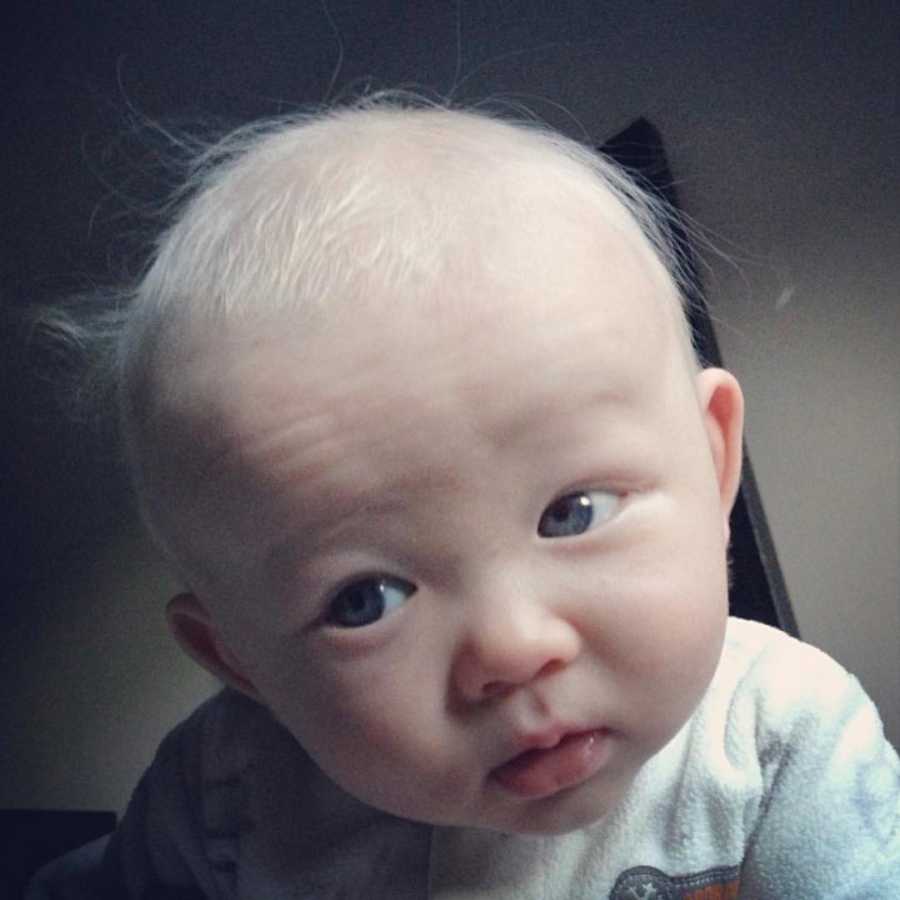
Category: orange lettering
[727,891]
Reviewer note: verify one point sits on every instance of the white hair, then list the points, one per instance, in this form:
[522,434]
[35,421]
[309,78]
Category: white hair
[287,215]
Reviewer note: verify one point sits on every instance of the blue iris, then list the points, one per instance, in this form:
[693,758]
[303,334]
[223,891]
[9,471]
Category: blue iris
[368,600]
[567,516]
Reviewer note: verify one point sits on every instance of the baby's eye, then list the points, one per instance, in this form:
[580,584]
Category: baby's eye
[576,513]
[366,601]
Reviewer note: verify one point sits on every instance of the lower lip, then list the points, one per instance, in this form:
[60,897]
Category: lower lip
[541,773]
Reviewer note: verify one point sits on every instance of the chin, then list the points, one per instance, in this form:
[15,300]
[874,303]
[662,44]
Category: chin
[569,810]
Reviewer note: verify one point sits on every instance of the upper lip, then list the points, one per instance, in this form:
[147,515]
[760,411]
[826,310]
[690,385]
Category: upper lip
[543,739]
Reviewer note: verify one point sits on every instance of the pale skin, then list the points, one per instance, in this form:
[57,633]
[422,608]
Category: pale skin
[426,446]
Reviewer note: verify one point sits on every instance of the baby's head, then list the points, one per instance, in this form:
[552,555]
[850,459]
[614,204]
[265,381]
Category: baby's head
[411,404]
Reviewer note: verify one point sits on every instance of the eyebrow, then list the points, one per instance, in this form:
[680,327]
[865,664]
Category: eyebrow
[320,530]
[519,428]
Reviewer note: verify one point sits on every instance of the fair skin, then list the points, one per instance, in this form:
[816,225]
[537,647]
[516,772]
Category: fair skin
[473,548]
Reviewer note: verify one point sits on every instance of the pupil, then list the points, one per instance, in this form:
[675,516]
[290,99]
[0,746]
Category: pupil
[567,516]
[360,604]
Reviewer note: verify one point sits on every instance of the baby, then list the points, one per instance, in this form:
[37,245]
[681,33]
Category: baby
[410,402]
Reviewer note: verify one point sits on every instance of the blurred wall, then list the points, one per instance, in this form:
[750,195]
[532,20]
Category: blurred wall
[781,125]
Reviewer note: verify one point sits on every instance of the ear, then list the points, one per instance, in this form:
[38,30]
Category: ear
[722,406]
[193,628]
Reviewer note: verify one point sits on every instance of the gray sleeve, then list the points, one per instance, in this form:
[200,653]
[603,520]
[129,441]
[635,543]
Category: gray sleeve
[159,850]
[830,821]
[74,876]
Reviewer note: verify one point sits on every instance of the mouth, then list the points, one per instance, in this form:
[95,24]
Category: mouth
[544,771]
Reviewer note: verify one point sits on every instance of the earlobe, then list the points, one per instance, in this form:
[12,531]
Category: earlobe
[193,628]
[722,405]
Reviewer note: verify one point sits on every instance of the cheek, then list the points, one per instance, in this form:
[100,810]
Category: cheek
[389,753]
[372,729]
[685,623]
[661,625]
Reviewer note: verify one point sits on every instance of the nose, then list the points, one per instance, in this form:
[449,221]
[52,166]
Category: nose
[509,643]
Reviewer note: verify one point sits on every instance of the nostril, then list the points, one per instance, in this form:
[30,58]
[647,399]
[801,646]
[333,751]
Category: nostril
[550,667]
[493,688]
[498,687]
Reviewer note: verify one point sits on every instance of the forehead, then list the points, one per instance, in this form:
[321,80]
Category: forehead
[540,312]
